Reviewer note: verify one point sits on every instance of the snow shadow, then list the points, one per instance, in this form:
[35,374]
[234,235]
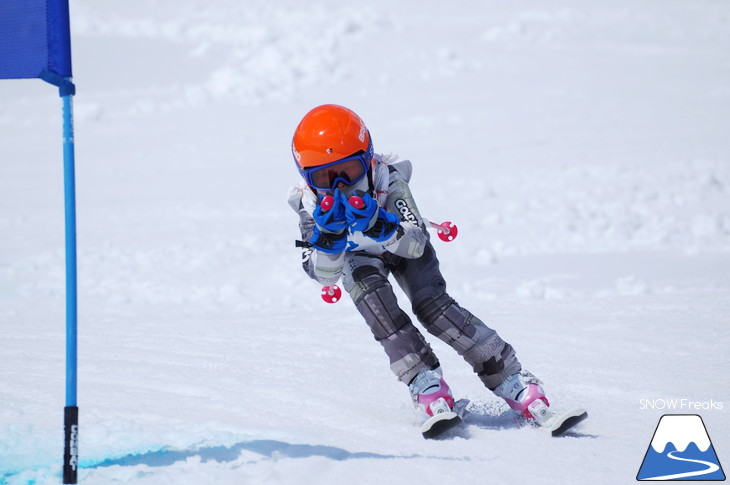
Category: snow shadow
[223,454]
[490,416]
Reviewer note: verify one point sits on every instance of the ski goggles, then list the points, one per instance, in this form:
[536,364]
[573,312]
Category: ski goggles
[348,170]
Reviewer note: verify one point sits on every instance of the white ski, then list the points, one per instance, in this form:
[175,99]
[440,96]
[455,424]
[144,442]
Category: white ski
[558,423]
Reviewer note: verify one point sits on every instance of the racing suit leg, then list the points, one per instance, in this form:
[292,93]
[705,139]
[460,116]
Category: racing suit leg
[365,278]
[492,358]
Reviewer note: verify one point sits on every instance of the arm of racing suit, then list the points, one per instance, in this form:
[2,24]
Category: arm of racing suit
[409,242]
[323,267]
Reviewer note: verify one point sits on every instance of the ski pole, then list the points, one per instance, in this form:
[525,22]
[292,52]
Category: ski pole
[446,231]
[330,293]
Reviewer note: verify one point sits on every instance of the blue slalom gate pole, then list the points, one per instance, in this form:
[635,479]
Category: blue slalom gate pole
[71,411]
[66,90]
[70,218]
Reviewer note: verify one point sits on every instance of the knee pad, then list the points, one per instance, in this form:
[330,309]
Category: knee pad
[374,298]
[445,319]
[429,309]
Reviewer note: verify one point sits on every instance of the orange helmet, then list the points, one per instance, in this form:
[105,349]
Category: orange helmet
[328,133]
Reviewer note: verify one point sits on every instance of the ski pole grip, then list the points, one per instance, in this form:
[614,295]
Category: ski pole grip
[327,202]
[356,202]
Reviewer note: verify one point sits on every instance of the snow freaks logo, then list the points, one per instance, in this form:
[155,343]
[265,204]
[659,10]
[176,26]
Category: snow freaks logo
[681,405]
[680,450]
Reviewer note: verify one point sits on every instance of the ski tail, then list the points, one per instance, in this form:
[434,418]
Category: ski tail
[440,424]
[560,423]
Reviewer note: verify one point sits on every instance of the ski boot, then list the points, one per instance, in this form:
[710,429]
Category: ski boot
[430,393]
[524,395]
[433,397]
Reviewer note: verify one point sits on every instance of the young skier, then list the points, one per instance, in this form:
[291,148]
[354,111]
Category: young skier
[359,222]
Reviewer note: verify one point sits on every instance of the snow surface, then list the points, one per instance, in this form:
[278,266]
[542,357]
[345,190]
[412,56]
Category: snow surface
[581,147]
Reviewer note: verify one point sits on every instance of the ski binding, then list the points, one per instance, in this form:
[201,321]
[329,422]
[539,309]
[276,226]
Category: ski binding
[442,422]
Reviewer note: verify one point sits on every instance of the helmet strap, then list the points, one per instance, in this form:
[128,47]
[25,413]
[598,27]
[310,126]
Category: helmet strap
[371,182]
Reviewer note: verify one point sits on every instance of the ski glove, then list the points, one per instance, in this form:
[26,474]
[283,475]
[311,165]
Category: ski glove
[360,219]
[374,222]
[328,242]
[332,220]
[385,225]
[330,227]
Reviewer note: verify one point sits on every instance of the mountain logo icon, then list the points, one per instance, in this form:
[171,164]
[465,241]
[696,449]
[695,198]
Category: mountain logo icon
[680,450]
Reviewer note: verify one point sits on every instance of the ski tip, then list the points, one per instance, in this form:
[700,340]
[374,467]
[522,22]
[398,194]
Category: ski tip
[436,426]
[570,420]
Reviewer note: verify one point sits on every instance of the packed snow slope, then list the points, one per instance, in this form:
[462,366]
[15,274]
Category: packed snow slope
[581,147]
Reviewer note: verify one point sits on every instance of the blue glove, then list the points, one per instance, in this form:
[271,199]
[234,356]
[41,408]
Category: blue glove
[385,225]
[328,242]
[374,222]
[333,220]
[360,219]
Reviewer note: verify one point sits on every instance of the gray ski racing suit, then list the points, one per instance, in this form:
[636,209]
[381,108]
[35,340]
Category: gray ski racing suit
[409,256]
